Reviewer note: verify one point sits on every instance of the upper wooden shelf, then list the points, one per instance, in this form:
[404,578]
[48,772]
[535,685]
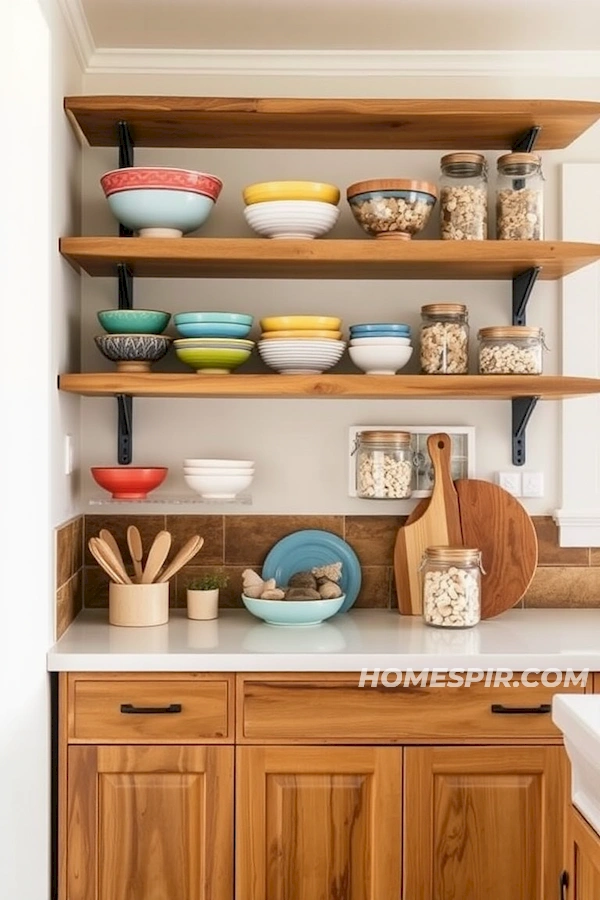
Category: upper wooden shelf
[330,124]
[361,387]
[369,259]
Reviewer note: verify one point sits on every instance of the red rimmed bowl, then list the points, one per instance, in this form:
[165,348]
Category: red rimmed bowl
[128,482]
[161,178]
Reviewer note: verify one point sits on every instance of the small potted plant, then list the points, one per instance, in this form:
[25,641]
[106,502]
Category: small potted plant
[203,595]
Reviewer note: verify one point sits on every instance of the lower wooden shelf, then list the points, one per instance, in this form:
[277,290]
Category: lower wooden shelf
[366,387]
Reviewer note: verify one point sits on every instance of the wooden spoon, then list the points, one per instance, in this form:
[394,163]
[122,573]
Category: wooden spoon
[97,554]
[189,549]
[156,556]
[109,539]
[117,566]
[134,542]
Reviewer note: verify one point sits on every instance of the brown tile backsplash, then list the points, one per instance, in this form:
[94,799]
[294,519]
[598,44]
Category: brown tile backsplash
[565,576]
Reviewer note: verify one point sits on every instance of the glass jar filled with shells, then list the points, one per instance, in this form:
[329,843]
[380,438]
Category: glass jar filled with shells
[511,350]
[384,465]
[520,198]
[444,339]
[451,579]
[464,197]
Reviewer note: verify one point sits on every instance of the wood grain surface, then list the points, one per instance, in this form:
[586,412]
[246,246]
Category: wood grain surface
[584,859]
[438,524]
[484,823]
[274,122]
[340,259]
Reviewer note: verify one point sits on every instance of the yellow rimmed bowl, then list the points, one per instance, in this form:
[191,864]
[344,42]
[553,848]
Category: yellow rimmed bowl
[291,190]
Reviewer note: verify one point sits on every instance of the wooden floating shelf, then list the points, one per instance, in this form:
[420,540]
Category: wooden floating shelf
[276,123]
[370,259]
[333,387]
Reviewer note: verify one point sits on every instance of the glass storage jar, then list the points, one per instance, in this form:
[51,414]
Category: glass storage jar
[520,198]
[463,197]
[451,578]
[384,465]
[444,339]
[511,350]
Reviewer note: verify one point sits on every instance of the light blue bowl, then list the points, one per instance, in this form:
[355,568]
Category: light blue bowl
[295,613]
[133,321]
[220,317]
[173,212]
[380,326]
[212,329]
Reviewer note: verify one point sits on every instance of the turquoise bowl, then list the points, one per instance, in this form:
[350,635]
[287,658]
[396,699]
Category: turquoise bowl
[160,213]
[212,361]
[133,321]
[295,613]
[212,329]
[220,317]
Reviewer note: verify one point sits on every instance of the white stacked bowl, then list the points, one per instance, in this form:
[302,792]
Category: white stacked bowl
[292,219]
[218,479]
[306,356]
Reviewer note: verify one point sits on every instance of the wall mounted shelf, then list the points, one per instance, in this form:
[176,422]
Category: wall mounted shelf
[284,123]
[333,387]
[343,259]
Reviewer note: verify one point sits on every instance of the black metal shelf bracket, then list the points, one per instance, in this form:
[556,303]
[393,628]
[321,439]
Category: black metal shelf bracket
[522,286]
[125,429]
[522,408]
[125,276]
[126,148]
[527,141]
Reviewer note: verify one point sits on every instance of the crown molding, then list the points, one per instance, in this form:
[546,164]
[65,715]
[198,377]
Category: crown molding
[344,63]
[79,29]
[578,527]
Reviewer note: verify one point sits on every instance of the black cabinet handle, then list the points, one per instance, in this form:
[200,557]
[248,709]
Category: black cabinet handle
[500,710]
[564,884]
[132,710]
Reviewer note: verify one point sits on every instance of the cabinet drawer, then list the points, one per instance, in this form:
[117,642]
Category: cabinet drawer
[333,708]
[150,708]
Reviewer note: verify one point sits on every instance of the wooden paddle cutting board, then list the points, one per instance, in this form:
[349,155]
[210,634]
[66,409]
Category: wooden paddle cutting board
[495,522]
[438,524]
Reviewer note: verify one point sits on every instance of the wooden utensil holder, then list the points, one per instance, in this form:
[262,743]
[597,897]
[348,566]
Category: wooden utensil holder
[138,605]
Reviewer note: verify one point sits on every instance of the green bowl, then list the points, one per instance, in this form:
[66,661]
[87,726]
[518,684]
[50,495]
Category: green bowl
[210,361]
[133,321]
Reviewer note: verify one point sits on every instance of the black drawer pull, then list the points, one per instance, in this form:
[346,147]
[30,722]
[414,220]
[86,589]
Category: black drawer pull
[564,884]
[500,710]
[132,710]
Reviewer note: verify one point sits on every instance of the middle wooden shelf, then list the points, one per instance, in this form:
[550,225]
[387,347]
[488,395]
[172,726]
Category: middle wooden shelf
[366,387]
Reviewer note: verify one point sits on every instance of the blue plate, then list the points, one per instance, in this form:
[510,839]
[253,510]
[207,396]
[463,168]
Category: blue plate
[382,326]
[302,550]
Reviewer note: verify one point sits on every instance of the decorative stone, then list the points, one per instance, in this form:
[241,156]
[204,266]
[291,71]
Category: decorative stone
[303,580]
[297,593]
[273,594]
[333,571]
[329,590]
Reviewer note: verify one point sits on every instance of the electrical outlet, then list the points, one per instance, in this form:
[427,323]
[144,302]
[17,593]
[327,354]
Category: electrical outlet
[68,449]
[533,484]
[511,482]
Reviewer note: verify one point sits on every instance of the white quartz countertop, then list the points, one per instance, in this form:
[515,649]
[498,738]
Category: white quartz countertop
[237,642]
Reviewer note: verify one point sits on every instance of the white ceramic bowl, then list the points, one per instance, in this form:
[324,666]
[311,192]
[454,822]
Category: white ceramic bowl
[302,219]
[293,357]
[380,342]
[189,470]
[219,487]
[380,360]
[220,463]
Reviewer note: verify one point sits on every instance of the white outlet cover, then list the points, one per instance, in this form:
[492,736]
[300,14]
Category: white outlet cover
[533,484]
[463,433]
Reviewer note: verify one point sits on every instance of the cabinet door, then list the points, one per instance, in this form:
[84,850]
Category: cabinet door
[150,823]
[318,822]
[484,822]
[584,877]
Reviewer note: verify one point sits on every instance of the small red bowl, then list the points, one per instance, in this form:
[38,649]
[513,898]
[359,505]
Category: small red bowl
[128,482]
[161,178]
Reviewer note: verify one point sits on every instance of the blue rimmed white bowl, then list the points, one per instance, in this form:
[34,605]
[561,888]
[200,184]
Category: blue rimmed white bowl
[392,208]
[293,613]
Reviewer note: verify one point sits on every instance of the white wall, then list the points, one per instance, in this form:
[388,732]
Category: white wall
[40,300]
[301,446]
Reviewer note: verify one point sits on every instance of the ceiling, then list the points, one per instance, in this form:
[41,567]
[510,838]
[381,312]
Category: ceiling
[446,25]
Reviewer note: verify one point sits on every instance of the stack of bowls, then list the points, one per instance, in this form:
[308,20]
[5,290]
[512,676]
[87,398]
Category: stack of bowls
[291,209]
[213,343]
[301,345]
[380,348]
[134,338]
[218,479]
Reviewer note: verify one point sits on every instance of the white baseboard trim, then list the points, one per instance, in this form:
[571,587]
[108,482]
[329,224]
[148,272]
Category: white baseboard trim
[578,528]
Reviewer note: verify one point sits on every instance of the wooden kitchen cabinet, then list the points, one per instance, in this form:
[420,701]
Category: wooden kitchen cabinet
[484,823]
[149,823]
[318,822]
[584,864]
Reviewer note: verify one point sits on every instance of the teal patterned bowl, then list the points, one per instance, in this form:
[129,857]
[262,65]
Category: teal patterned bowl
[134,321]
